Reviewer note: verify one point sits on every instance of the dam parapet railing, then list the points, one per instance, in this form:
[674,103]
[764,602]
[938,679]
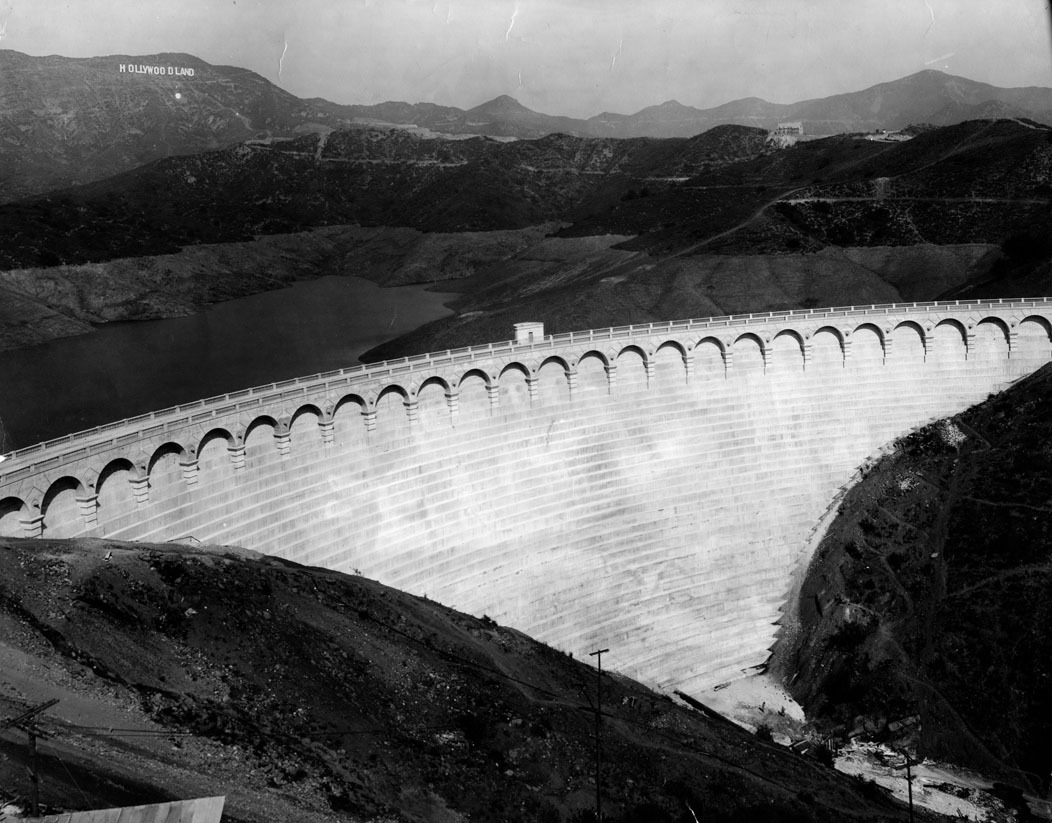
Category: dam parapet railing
[75,446]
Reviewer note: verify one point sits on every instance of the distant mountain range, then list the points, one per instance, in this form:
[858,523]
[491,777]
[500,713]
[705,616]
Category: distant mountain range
[65,121]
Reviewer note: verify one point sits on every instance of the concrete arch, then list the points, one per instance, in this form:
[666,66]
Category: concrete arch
[479,373]
[592,379]
[168,447]
[1033,338]
[753,336]
[113,485]
[473,389]
[392,414]
[750,354]
[875,329]
[432,405]
[391,388]
[995,323]
[827,347]
[673,344]
[631,369]
[261,420]
[948,342]
[349,399]
[552,382]
[60,509]
[907,345]
[212,434]
[710,358]
[306,408]
[906,324]
[305,427]
[670,363]
[514,366]
[213,453]
[989,342]
[868,346]
[553,358]
[12,510]
[514,389]
[164,469]
[433,380]
[592,354]
[632,347]
[1039,320]
[786,351]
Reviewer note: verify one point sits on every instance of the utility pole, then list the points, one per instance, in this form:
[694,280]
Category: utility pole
[598,655]
[25,722]
[910,763]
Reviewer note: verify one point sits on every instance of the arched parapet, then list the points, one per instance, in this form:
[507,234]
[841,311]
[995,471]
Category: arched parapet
[118,488]
[478,393]
[672,363]
[15,516]
[825,347]
[552,381]
[515,386]
[787,351]
[62,509]
[426,380]
[305,426]
[905,344]
[170,467]
[947,342]
[710,358]
[217,453]
[593,369]
[632,368]
[748,353]
[437,401]
[1029,338]
[394,410]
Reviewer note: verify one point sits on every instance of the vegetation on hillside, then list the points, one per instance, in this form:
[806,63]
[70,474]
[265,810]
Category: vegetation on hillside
[928,597]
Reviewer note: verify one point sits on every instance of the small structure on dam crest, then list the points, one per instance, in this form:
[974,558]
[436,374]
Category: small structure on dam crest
[652,486]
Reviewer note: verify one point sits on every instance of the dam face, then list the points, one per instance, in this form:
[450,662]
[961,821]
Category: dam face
[650,489]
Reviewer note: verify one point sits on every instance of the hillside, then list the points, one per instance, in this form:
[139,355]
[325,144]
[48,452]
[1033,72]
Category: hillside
[928,597]
[306,695]
[68,120]
[642,229]
[349,176]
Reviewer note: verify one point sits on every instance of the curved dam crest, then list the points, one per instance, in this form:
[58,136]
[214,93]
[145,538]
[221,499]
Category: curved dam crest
[650,488]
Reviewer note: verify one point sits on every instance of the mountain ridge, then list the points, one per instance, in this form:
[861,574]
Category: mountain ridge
[53,135]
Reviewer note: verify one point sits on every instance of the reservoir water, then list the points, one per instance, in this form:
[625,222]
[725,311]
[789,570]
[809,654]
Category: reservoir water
[125,369]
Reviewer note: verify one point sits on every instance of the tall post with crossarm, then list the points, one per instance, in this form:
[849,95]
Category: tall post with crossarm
[598,655]
[25,722]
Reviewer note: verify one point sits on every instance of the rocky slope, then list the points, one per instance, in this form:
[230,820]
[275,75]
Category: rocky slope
[924,617]
[306,695]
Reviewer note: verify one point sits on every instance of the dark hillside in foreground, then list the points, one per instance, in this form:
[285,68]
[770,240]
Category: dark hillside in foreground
[929,595]
[304,694]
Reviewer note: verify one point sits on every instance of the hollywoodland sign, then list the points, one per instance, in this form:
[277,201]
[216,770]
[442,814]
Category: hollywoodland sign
[166,71]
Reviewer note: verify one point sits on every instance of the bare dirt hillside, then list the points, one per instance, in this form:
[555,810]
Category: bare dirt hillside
[306,695]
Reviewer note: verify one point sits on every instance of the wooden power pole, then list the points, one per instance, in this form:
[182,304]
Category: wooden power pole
[598,655]
[25,722]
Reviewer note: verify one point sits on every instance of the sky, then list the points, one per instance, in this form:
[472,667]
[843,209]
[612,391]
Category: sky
[569,57]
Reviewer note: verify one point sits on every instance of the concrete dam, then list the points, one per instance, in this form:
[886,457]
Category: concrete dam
[651,489]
